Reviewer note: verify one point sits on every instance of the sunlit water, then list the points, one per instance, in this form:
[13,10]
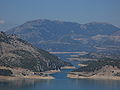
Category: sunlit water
[61,83]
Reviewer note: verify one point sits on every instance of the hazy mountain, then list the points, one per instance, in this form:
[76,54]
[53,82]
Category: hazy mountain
[117,33]
[15,52]
[64,36]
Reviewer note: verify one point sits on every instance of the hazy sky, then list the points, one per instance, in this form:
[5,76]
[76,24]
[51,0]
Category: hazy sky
[81,11]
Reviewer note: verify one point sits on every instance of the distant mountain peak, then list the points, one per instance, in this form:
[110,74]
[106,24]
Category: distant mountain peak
[95,22]
[49,31]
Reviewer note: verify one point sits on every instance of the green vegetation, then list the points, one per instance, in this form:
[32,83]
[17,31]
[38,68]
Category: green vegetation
[53,58]
[5,72]
[4,38]
[27,61]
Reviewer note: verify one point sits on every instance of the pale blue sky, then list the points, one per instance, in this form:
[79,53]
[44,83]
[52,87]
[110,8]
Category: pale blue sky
[81,11]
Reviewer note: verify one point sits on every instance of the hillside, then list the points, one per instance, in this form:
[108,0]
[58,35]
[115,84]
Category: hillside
[17,53]
[101,68]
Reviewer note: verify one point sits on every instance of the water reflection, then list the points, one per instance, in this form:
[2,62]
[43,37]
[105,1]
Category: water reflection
[20,84]
[90,84]
[61,83]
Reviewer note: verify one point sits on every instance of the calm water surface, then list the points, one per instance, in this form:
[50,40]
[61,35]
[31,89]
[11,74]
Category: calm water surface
[61,83]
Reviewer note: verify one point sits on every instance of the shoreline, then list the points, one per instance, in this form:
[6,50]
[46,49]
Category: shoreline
[20,73]
[95,77]
[68,67]
[51,71]
[82,65]
[10,78]
[106,72]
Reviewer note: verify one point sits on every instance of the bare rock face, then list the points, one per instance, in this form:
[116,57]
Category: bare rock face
[15,52]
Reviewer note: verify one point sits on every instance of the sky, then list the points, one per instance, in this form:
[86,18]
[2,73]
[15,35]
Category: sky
[16,12]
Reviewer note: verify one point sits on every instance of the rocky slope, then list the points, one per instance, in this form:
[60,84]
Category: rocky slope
[106,72]
[103,68]
[17,53]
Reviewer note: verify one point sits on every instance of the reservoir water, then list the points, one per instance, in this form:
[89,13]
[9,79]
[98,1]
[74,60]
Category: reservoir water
[61,83]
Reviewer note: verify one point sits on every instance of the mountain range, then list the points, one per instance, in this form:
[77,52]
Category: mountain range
[100,43]
[68,36]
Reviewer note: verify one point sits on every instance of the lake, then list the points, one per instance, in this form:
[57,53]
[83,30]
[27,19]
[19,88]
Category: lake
[61,83]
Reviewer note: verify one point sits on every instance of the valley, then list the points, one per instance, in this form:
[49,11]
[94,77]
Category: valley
[59,44]
[76,44]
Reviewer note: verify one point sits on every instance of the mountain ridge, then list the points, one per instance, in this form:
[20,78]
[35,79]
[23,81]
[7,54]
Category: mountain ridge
[49,31]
